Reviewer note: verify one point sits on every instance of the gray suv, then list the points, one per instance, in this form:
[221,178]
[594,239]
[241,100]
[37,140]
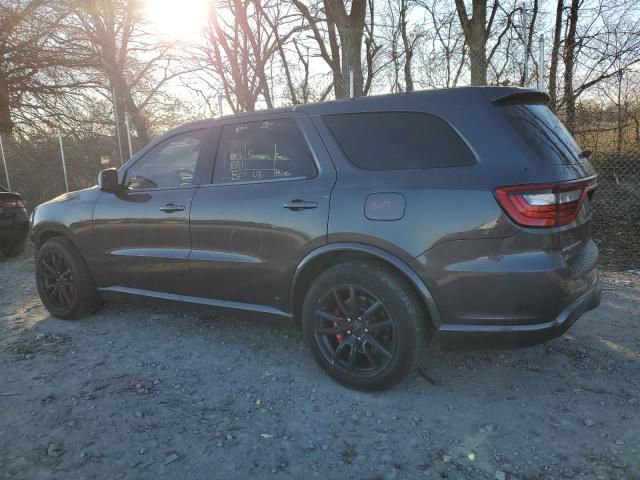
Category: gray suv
[374,224]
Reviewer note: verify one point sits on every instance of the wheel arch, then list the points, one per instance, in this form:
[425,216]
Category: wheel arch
[328,255]
[49,230]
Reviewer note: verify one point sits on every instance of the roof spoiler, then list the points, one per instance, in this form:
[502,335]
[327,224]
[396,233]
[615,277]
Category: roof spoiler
[511,96]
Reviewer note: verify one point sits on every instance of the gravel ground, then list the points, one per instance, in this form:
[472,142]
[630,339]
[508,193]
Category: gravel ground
[151,391]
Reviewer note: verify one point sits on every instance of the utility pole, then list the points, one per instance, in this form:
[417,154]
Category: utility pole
[541,85]
[64,165]
[4,161]
[351,83]
[126,122]
[115,114]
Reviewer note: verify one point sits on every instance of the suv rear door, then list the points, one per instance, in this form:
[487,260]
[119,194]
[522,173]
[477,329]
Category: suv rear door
[266,208]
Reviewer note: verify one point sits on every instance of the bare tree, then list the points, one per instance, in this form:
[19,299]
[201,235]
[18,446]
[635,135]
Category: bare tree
[136,64]
[605,43]
[302,85]
[476,31]
[372,48]
[530,28]
[408,45]
[404,36]
[339,35]
[569,60]
[34,68]
[555,55]
[504,58]
[243,36]
[619,88]
[444,55]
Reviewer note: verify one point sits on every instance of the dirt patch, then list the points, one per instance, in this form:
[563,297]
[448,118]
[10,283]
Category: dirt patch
[164,392]
[618,239]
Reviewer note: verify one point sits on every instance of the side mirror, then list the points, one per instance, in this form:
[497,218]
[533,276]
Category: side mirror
[108,180]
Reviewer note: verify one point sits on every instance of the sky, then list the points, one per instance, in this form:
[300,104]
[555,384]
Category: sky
[183,21]
[178,19]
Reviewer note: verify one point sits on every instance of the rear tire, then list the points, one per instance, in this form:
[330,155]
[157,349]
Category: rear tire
[15,249]
[64,281]
[363,325]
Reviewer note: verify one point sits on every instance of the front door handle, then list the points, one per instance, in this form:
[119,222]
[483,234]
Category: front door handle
[298,204]
[172,207]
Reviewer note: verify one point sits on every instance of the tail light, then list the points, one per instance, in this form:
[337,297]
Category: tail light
[12,203]
[544,205]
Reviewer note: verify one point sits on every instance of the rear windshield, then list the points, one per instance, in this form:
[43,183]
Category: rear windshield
[544,132]
[398,140]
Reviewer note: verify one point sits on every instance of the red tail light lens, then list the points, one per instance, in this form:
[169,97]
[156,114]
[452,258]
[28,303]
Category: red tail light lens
[546,205]
[12,203]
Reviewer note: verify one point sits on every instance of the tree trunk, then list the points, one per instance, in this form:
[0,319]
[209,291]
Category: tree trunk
[555,53]
[478,58]
[569,60]
[6,124]
[408,48]
[476,31]
[529,33]
[121,131]
[346,55]
[334,61]
[137,118]
[351,46]
[351,31]
[620,119]
[636,120]
[127,102]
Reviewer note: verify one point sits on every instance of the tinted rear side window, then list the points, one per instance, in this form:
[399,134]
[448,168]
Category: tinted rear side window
[399,141]
[544,133]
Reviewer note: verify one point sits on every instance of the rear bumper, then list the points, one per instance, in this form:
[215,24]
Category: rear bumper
[13,232]
[460,337]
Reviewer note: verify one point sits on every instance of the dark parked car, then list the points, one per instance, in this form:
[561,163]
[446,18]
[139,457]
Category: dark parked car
[374,224]
[14,223]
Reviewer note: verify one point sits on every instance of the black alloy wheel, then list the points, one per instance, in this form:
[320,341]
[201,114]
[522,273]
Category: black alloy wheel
[65,284]
[57,279]
[355,331]
[362,324]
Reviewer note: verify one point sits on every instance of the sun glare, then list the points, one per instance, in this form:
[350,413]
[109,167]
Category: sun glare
[178,19]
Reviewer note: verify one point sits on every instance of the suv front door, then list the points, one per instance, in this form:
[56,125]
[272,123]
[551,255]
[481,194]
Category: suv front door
[266,208]
[142,233]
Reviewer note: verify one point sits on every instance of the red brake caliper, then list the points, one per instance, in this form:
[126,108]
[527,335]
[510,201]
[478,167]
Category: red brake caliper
[339,336]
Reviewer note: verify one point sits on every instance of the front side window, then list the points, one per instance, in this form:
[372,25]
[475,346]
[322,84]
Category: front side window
[263,150]
[399,140]
[170,164]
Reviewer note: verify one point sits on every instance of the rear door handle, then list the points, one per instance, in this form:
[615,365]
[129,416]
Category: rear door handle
[298,204]
[172,207]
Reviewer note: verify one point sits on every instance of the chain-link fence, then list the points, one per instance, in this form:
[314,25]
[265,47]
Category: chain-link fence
[35,165]
[35,170]
[618,193]
[616,157]
[612,136]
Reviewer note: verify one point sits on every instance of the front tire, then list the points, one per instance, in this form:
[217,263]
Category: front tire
[64,282]
[363,325]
